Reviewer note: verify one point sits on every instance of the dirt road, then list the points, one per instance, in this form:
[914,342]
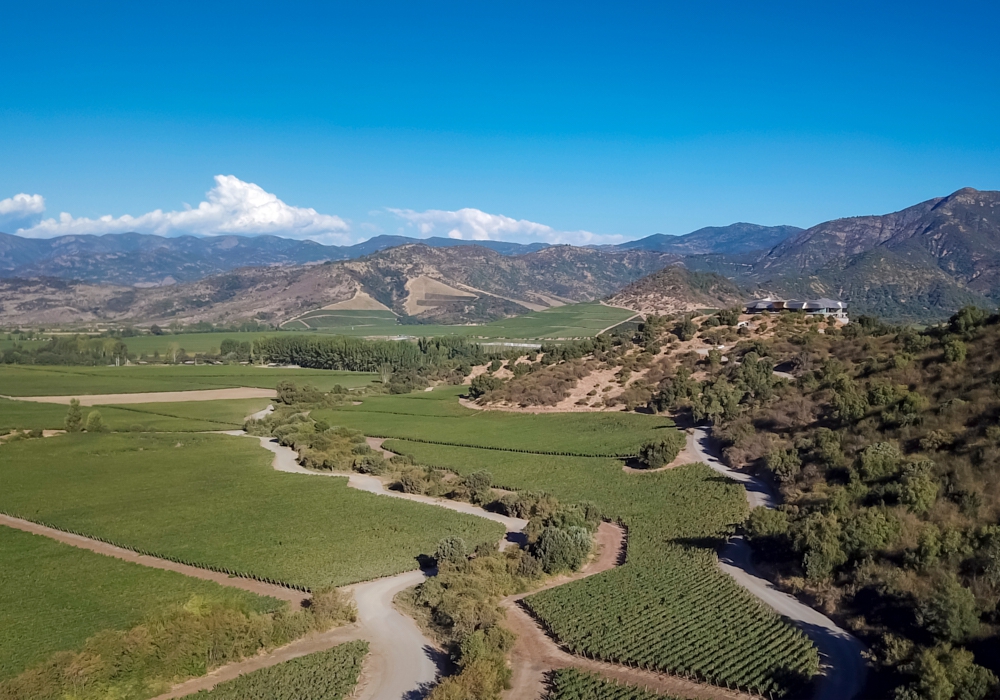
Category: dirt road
[241,392]
[285,460]
[843,666]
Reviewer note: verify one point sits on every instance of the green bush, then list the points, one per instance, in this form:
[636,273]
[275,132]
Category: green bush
[663,450]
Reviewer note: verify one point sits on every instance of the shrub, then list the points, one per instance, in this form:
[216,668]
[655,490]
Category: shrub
[663,450]
[784,464]
[452,550]
[484,384]
[950,612]
[955,351]
[560,549]
[95,423]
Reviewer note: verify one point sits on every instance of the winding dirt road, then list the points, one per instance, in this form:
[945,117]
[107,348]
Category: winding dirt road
[843,668]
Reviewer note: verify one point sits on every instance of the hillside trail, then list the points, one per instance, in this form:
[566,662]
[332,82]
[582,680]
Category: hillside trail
[843,667]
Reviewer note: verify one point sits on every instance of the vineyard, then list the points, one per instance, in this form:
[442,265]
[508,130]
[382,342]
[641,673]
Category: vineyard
[680,617]
[670,587]
[571,684]
[437,422]
[53,597]
[325,675]
[214,501]
[52,380]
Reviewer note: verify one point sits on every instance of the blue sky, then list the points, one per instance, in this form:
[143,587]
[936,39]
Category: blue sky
[575,122]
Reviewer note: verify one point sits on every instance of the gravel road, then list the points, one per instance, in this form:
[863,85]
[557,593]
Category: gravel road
[843,666]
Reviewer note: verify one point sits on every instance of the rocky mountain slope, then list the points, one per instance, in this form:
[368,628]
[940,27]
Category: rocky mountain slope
[448,285]
[135,259]
[734,239]
[675,289]
[919,264]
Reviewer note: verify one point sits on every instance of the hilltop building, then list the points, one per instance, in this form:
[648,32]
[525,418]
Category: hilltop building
[824,307]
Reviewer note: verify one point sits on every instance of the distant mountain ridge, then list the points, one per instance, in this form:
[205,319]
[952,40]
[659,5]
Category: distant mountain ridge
[920,264]
[132,259]
[136,259]
[732,240]
[419,283]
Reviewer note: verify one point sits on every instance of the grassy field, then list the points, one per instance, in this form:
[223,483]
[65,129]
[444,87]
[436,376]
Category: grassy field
[188,416]
[325,675]
[436,417]
[44,380]
[54,596]
[572,321]
[214,499]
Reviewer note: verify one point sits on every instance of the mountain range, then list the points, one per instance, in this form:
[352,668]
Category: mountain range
[135,259]
[919,264]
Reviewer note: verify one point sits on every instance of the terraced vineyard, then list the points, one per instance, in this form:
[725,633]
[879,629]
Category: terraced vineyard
[668,619]
[325,675]
[571,684]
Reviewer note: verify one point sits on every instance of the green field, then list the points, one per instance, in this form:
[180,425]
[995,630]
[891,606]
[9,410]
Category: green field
[215,500]
[45,380]
[570,321]
[54,596]
[325,675]
[188,416]
[436,417]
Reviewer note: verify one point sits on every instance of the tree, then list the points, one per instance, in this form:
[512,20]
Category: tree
[955,351]
[879,461]
[784,464]
[918,489]
[155,330]
[173,350]
[686,329]
[950,612]
[95,424]
[818,538]
[385,373]
[868,531]
[74,417]
[766,525]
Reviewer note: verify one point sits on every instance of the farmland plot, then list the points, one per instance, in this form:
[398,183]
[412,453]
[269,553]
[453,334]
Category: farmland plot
[54,596]
[325,675]
[214,500]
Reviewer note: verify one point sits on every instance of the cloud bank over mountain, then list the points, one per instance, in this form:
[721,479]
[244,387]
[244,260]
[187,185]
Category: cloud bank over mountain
[231,207]
[475,225]
[234,206]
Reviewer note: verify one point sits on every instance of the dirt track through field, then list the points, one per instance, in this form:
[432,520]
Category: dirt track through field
[246,584]
[239,392]
[843,667]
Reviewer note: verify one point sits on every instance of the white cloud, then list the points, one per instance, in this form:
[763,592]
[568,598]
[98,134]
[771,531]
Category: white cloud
[231,207]
[475,225]
[20,210]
